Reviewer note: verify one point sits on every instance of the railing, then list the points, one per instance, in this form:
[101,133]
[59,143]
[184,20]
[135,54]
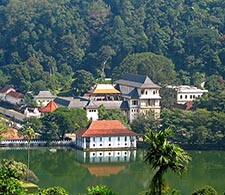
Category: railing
[35,142]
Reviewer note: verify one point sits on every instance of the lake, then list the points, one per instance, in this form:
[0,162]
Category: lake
[123,171]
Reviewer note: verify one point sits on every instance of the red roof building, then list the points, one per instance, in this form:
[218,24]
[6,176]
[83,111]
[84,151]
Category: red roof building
[50,107]
[106,134]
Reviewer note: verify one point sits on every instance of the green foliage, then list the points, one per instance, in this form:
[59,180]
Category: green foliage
[10,186]
[212,101]
[33,122]
[83,81]
[159,68]
[215,83]
[143,122]
[201,126]
[99,190]
[117,114]
[3,128]
[168,97]
[61,121]
[41,50]
[206,190]
[53,191]
[162,156]
[18,170]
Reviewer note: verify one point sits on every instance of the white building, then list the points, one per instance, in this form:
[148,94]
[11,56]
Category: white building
[5,90]
[106,134]
[43,98]
[141,94]
[15,98]
[32,112]
[185,93]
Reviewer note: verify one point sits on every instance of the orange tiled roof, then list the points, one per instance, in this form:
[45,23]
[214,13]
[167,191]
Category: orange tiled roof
[105,128]
[50,107]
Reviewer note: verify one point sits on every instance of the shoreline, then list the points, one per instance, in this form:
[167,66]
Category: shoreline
[190,146]
[140,145]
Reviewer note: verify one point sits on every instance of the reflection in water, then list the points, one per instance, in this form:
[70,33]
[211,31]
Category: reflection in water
[75,170]
[105,163]
[105,156]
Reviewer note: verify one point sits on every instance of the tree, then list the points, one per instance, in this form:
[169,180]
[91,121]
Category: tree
[18,170]
[162,156]
[159,68]
[61,121]
[53,191]
[143,122]
[3,127]
[8,184]
[206,190]
[28,134]
[100,190]
[116,114]
[83,80]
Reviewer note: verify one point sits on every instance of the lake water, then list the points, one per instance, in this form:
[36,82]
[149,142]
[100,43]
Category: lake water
[123,171]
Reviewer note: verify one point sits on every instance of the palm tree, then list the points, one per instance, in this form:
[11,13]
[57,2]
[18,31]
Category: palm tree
[28,134]
[163,155]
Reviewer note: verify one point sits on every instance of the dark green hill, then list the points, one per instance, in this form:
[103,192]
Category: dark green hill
[43,42]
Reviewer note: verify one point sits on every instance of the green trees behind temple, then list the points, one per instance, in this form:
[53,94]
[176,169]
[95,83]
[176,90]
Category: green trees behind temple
[43,42]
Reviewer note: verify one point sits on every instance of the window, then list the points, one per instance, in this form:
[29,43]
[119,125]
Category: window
[193,96]
[190,96]
[118,138]
[109,139]
[93,139]
[181,97]
[146,92]
[185,96]
[134,102]
[100,139]
[109,144]
[125,138]
[153,92]
[151,102]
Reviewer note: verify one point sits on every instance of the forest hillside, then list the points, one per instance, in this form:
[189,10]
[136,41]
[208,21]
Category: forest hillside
[50,44]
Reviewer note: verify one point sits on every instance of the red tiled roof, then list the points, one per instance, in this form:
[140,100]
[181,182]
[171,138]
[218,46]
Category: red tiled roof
[105,128]
[15,94]
[5,89]
[50,107]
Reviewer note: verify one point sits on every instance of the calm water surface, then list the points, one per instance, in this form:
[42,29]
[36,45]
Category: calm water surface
[127,175]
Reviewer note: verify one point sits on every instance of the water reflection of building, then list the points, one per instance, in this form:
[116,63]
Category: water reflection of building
[116,156]
[105,163]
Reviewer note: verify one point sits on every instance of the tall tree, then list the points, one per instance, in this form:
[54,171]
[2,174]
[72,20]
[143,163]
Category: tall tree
[28,134]
[162,156]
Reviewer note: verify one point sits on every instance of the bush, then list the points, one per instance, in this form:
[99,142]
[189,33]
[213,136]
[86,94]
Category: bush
[207,190]
[53,191]
[99,190]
